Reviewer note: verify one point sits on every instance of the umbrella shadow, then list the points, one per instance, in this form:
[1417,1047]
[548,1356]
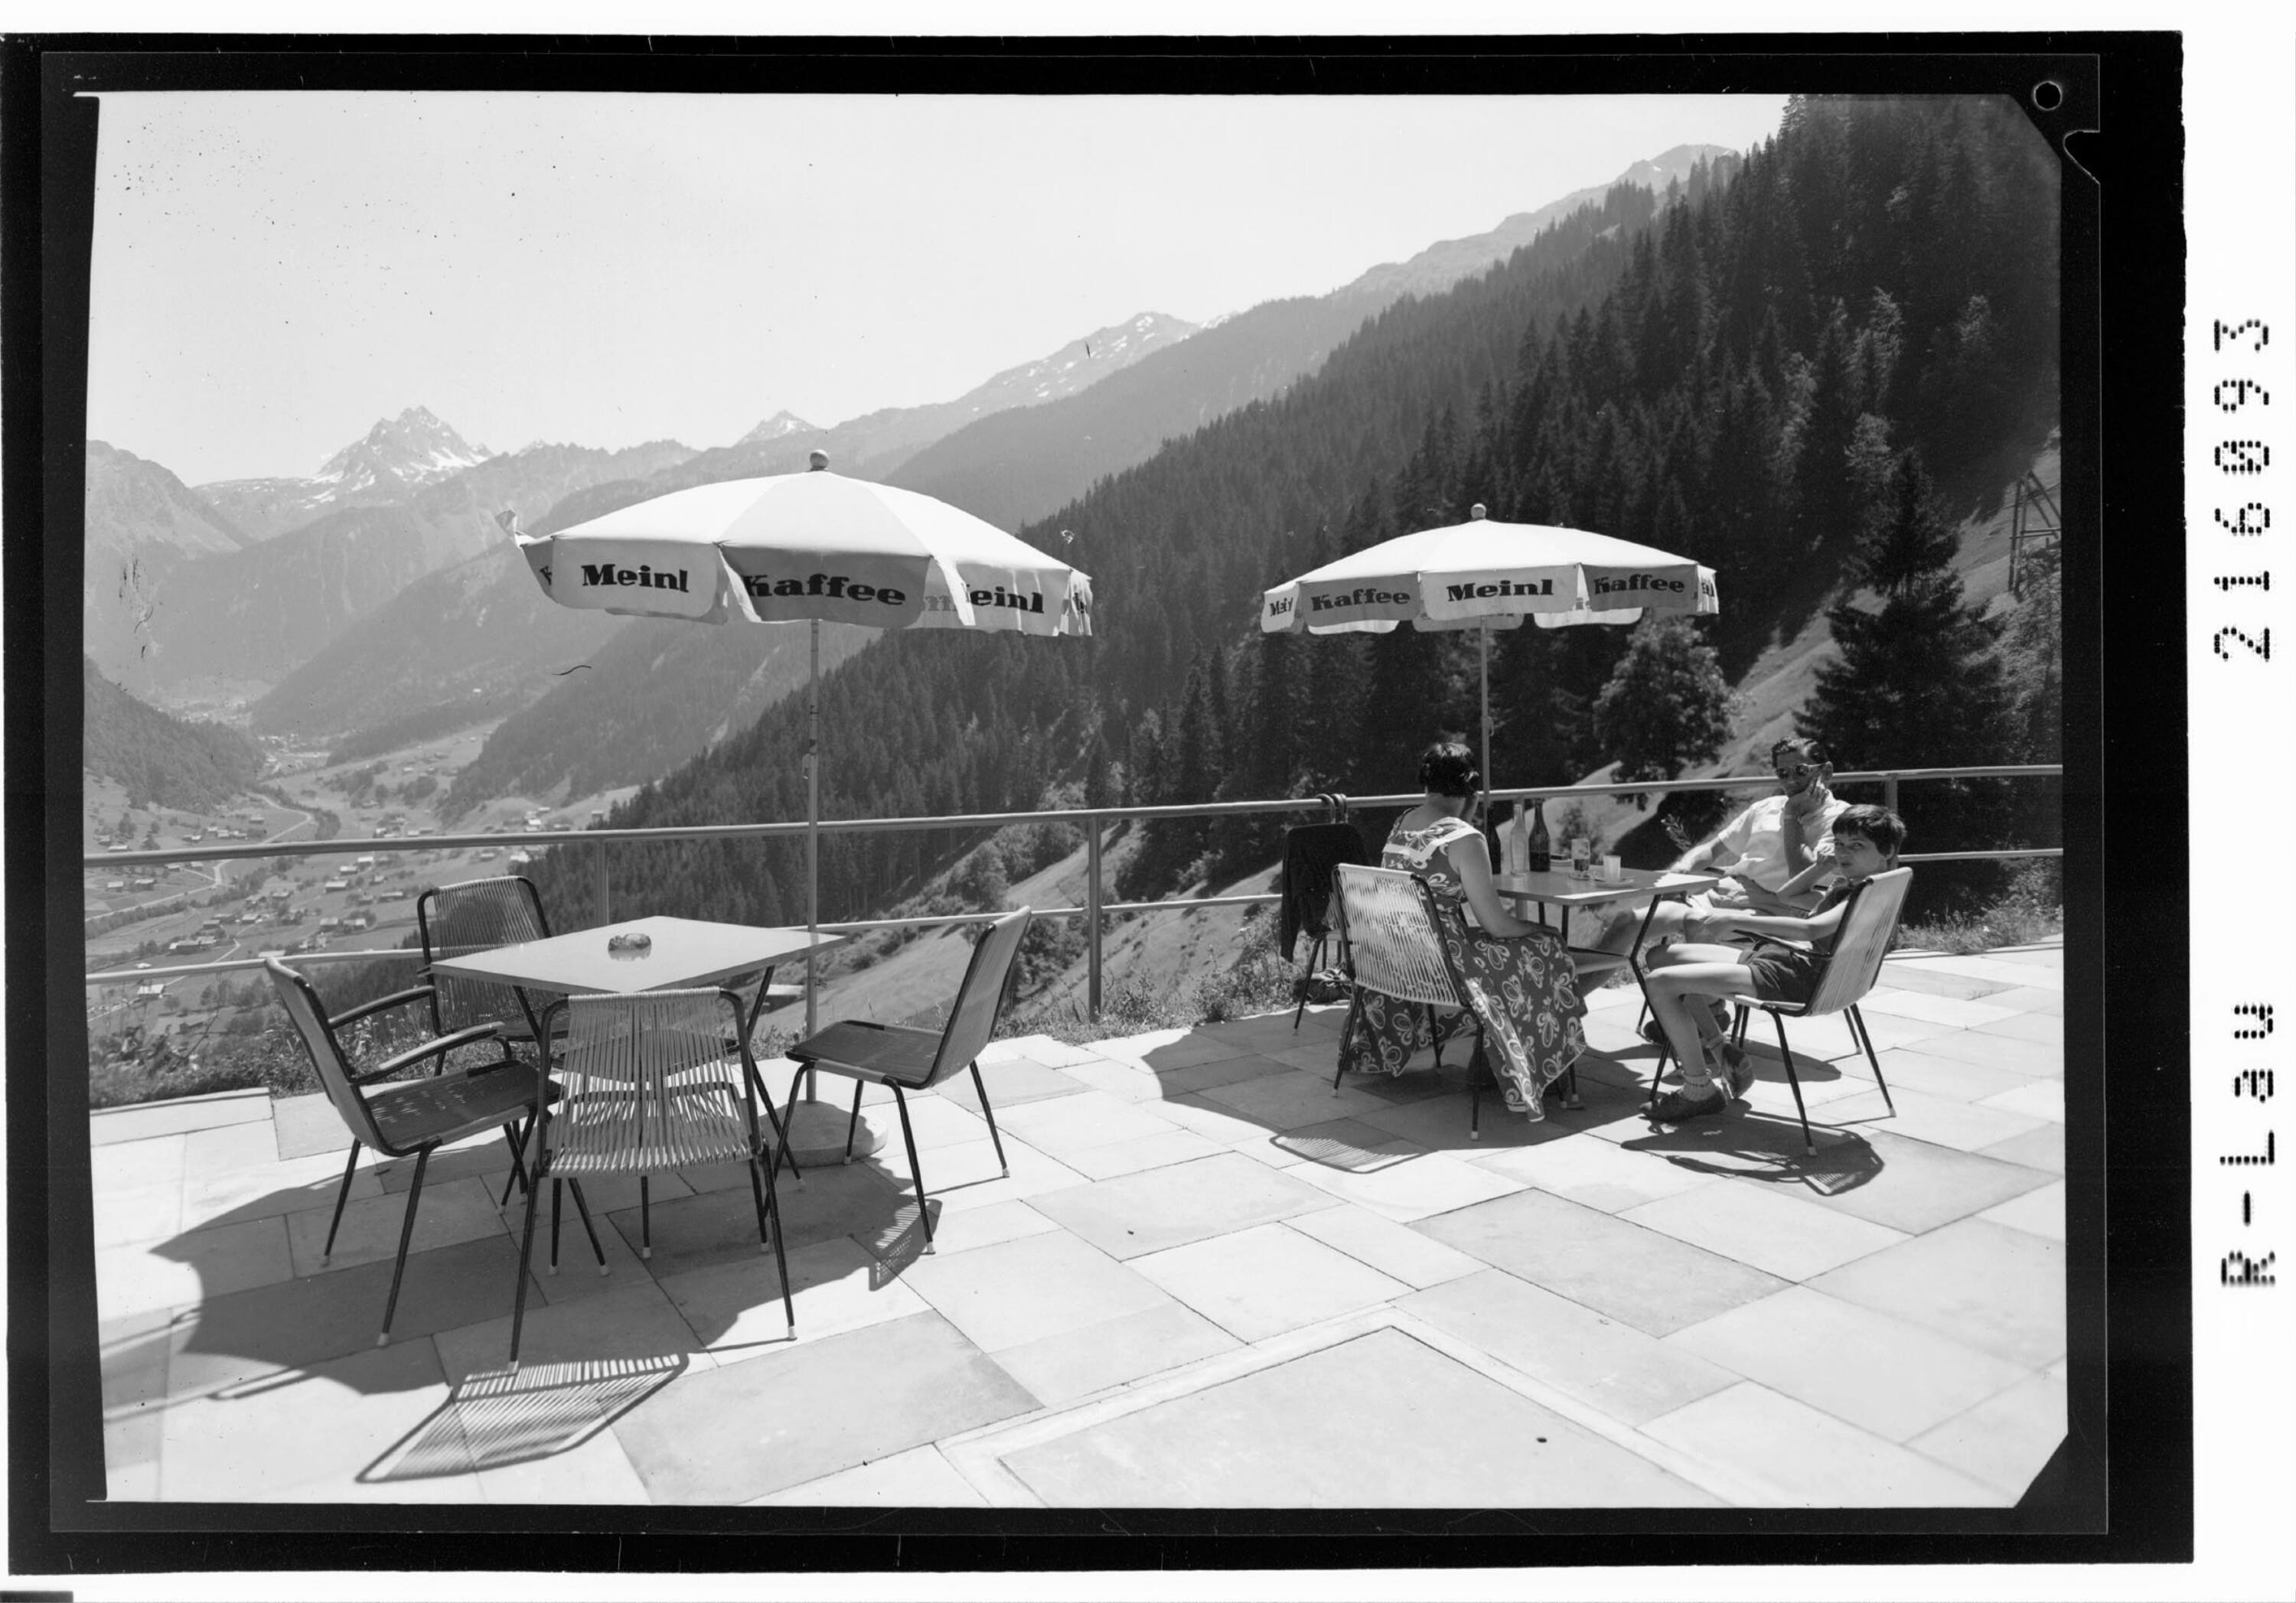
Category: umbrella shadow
[496,1419]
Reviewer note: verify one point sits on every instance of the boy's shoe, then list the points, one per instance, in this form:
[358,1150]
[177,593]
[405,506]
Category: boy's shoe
[1741,1071]
[1675,1107]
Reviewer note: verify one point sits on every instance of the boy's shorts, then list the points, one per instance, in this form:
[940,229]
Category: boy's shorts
[1781,972]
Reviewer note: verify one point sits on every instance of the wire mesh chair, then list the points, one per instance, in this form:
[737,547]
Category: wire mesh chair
[1389,921]
[655,1081]
[906,1059]
[1846,973]
[478,915]
[409,1118]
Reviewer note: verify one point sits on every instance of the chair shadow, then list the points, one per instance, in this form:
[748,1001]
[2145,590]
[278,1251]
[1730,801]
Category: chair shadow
[1768,1148]
[497,1418]
[291,1328]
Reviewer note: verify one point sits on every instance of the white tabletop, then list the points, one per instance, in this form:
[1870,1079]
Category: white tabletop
[1633,883]
[685,952]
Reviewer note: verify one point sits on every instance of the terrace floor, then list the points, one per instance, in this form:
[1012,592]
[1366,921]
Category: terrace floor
[1208,1281]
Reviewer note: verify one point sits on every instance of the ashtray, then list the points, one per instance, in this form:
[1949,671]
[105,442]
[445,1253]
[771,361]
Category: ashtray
[630,945]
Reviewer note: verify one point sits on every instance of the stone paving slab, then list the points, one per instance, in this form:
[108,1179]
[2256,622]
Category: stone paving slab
[1419,1430]
[2007,1439]
[1068,1365]
[1988,1285]
[735,1433]
[1765,1227]
[1138,1213]
[1880,1373]
[1021,1290]
[919,1478]
[1630,1377]
[1646,1280]
[1787,1455]
[1263,1281]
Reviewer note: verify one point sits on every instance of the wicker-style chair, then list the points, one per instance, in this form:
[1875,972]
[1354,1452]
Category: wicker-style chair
[654,1081]
[1390,925]
[1846,973]
[478,915]
[906,1059]
[406,1118]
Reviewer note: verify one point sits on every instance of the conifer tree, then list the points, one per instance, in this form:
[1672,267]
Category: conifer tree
[1919,685]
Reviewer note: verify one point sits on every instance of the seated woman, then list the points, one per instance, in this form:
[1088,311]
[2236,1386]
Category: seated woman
[1518,978]
[1683,978]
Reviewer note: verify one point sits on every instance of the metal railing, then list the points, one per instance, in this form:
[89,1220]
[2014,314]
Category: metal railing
[1094,821]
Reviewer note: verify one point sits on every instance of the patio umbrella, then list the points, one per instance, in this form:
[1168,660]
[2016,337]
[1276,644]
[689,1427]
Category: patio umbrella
[805,547]
[1485,574]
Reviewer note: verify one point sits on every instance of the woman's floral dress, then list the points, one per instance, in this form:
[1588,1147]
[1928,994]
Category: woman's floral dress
[1523,990]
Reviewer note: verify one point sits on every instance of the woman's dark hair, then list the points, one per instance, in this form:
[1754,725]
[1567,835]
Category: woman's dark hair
[1447,768]
[1879,825]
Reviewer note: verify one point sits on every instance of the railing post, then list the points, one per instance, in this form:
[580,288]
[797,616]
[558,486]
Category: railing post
[1890,791]
[1091,917]
[598,866]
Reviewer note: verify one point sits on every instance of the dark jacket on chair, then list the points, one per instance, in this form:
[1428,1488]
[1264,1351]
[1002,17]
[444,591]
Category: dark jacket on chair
[1312,853]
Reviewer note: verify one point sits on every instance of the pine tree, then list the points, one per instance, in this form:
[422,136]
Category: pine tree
[1919,685]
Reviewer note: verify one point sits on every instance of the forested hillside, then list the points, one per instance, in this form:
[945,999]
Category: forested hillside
[1744,382]
[163,762]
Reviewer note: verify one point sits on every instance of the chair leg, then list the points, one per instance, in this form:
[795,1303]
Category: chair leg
[1478,1066]
[1866,1040]
[1794,1080]
[780,1135]
[582,1206]
[406,1234]
[1348,1033]
[916,1173]
[1434,1038]
[853,1124]
[1315,956]
[646,1216]
[524,1259]
[772,1207]
[557,1197]
[343,1195]
[989,1113]
[1738,1027]
[514,1136]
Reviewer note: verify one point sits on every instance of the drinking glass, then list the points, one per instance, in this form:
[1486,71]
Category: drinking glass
[1581,849]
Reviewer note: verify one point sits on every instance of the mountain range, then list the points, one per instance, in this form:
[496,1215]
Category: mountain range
[333,615]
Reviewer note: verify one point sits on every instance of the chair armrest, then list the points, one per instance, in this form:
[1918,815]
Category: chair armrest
[413,1055]
[395,999]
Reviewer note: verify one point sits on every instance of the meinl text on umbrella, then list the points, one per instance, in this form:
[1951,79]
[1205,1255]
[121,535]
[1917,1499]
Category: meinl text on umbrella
[642,577]
[1468,592]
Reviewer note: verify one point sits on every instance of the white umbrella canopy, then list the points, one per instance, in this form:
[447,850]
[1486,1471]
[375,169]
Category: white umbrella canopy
[1485,574]
[809,546]
[805,548]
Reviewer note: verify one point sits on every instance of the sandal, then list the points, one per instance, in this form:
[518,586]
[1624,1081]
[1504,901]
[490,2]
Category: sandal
[1674,1107]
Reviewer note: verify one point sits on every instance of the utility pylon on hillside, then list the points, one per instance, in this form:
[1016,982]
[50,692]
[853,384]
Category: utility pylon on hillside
[2033,518]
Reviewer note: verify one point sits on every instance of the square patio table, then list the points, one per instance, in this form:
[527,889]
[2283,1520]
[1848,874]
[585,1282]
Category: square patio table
[685,952]
[1567,891]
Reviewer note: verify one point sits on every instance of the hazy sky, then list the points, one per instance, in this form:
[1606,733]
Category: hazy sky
[274,271]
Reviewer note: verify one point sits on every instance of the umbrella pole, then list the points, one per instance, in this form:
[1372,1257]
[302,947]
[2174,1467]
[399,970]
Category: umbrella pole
[812,831]
[1483,643]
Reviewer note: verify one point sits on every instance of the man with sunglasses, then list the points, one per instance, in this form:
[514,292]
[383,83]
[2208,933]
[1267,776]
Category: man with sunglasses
[1766,853]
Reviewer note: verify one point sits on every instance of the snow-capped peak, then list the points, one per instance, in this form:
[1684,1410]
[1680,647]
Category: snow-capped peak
[780,426]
